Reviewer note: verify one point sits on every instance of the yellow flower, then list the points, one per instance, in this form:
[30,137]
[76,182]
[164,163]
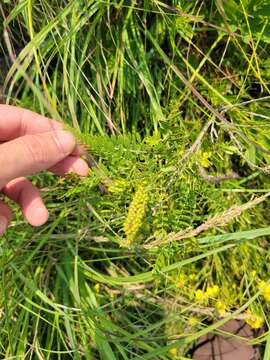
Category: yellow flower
[204,158]
[117,186]
[97,288]
[221,308]
[261,284]
[200,295]
[136,212]
[173,351]
[254,320]
[253,273]
[212,291]
[192,321]
[180,281]
[266,293]
[265,290]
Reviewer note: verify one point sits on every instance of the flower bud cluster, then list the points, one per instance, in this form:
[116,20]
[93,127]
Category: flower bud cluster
[135,214]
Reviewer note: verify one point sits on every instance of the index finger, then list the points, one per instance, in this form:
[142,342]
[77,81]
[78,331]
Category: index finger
[16,122]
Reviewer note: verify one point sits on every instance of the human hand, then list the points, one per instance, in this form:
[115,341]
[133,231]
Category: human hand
[30,143]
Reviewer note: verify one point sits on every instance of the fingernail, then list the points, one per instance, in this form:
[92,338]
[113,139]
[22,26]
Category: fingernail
[80,167]
[3,224]
[65,141]
[57,125]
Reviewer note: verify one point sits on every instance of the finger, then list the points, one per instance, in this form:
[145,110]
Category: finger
[16,122]
[27,196]
[79,150]
[5,217]
[71,164]
[33,153]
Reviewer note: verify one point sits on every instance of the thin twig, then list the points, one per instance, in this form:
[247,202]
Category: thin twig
[229,107]
[265,170]
[218,178]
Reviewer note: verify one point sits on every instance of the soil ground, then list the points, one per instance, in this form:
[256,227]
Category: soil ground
[218,347]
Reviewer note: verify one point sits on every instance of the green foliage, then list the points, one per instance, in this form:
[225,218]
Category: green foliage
[172,100]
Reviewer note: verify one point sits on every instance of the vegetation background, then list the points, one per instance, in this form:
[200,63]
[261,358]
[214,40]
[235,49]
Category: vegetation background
[167,239]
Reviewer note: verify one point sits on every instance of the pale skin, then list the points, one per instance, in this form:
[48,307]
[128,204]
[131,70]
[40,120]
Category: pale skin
[31,143]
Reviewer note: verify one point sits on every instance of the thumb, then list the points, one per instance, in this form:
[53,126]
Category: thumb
[33,153]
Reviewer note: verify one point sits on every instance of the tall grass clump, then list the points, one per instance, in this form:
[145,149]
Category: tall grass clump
[167,239]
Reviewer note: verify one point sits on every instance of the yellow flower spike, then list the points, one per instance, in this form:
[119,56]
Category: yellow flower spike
[97,288]
[212,291]
[136,212]
[254,320]
[221,308]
